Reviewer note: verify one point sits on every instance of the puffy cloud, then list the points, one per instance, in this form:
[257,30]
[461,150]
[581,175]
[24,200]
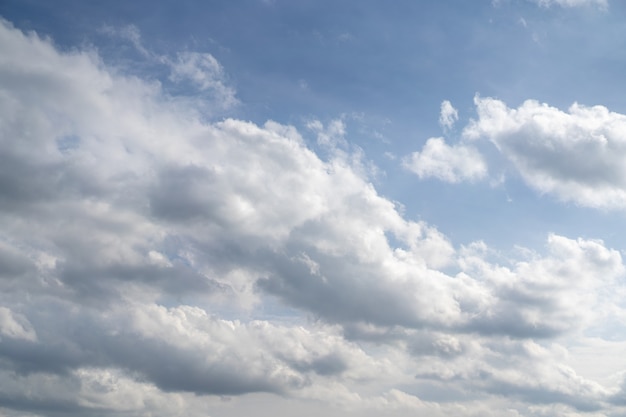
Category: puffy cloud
[576,155]
[136,355]
[561,292]
[205,355]
[447,163]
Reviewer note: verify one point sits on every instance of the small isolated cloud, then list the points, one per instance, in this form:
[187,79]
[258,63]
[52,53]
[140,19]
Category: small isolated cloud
[577,155]
[448,116]
[447,163]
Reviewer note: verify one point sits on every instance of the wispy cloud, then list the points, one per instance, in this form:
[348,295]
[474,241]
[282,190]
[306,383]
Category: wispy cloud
[448,116]
[572,3]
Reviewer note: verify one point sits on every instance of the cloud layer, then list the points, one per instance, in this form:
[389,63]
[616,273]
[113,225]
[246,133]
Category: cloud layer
[154,261]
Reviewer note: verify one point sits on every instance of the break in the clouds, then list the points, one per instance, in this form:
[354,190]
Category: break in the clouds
[576,155]
[158,257]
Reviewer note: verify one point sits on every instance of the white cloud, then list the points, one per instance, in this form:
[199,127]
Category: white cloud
[448,116]
[576,155]
[447,163]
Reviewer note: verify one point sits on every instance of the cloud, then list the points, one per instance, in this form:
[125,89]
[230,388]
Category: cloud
[525,297]
[198,348]
[448,116]
[134,199]
[603,4]
[529,372]
[190,71]
[575,155]
[153,261]
[129,33]
[15,326]
[331,136]
[205,72]
[447,163]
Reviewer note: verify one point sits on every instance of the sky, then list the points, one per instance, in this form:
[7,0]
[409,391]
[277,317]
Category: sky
[312,207]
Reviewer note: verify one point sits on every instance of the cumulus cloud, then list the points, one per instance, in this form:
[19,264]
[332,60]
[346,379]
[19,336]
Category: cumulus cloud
[447,163]
[205,355]
[149,258]
[524,301]
[576,155]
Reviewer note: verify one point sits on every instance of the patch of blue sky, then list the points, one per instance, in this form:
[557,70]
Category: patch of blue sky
[65,144]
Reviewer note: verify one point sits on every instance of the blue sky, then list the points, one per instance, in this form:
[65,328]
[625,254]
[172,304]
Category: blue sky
[350,208]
